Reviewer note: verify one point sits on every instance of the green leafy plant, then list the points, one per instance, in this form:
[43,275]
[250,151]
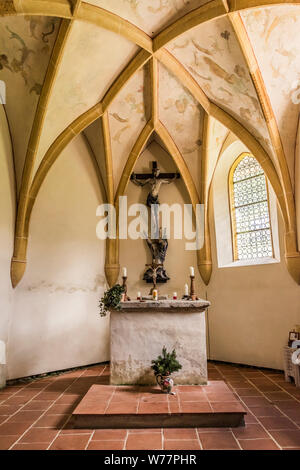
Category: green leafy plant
[166,364]
[111,299]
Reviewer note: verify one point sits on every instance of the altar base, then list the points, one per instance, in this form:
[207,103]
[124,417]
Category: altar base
[139,331]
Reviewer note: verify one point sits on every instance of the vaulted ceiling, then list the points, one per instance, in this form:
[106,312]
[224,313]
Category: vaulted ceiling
[184,71]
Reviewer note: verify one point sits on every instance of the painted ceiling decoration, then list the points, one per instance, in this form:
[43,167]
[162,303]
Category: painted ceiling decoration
[186,73]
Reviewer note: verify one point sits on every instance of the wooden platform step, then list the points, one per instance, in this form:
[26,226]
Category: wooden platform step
[109,406]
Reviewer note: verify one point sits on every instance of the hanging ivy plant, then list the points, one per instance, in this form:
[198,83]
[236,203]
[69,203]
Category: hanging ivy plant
[111,299]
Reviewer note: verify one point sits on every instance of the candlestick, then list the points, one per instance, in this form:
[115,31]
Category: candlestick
[139,296]
[192,271]
[124,285]
[192,289]
[124,272]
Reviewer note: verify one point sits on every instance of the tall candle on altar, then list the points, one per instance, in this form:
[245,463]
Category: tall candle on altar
[192,271]
[124,272]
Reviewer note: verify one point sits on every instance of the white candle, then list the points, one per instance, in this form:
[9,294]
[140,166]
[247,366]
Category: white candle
[192,271]
[139,295]
[124,272]
[174,295]
[186,289]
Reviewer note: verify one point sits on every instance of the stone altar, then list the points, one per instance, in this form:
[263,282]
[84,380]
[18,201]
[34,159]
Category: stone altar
[139,331]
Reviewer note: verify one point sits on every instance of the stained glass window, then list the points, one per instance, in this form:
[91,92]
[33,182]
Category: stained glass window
[250,211]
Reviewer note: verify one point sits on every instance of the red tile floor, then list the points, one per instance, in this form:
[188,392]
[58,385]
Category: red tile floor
[35,415]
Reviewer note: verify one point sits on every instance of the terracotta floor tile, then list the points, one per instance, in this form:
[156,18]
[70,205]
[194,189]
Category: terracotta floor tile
[195,407]
[189,388]
[70,442]
[180,433]
[248,392]
[68,400]
[123,408]
[161,398]
[144,441]
[7,410]
[293,415]
[256,401]
[251,431]
[39,435]
[276,423]
[189,444]
[225,407]
[106,445]
[205,430]
[60,409]
[287,438]
[265,411]
[37,405]
[218,441]
[128,397]
[32,446]
[290,405]
[109,434]
[153,408]
[221,397]
[52,421]
[67,430]
[17,400]
[278,396]
[258,444]
[25,416]
[10,429]
[192,397]
[7,441]
[250,418]
[144,430]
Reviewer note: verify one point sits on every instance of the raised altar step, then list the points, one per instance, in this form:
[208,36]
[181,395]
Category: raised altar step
[131,406]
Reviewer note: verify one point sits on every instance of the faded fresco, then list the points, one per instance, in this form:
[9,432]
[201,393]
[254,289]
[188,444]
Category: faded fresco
[216,138]
[25,47]
[183,118]
[127,117]
[211,53]
[149,15]
[92,60]
[274,33]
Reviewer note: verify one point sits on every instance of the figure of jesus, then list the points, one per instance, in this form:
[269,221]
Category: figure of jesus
[155,184]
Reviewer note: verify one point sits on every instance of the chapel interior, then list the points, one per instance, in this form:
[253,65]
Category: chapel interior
[93,91]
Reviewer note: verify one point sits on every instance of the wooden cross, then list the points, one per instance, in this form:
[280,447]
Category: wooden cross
[146,176]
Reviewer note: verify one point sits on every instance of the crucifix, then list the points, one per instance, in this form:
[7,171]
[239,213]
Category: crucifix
[158,248]
[155,180]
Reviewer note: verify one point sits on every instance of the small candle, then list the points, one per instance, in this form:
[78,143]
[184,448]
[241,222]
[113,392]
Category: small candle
[192,271]
[186,289]
[174,295]
[124,272]
[139,296]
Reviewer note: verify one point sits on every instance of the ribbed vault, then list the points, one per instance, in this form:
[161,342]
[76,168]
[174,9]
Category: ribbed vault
[187,71]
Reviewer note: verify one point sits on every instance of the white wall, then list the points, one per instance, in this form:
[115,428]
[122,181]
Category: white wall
[253,307]
[56,323]
[7,221]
